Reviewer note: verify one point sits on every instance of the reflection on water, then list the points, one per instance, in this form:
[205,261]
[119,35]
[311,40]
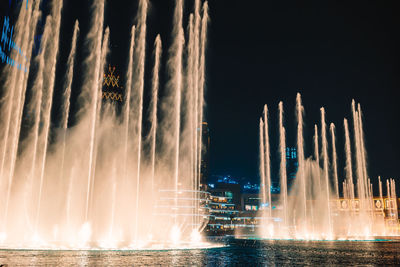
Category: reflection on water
[251,253]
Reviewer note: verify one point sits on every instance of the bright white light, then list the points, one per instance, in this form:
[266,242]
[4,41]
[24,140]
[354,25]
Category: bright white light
[55,232]
[367,231]
[270,230]
[36,239]
[195,236]
[175,234]
[85,233]
[150,237]
[3,237]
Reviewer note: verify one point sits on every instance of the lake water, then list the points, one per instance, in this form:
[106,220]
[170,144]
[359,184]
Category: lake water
[239,253]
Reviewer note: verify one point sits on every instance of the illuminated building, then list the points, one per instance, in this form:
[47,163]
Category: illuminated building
[383,208]
[233,207]
[222,211]
[112,89]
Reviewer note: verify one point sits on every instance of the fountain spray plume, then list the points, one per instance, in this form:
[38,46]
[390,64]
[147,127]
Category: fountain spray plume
[27,45]
[334,160]
[66,102]
[366,200]
[282,149]
[139,87]
[127,105]
[153,104]
[68,79]
[325,164]
[355,217]
[360,178]
[300,154]
[36,106]
[267,160]
[49,81]
[7,102]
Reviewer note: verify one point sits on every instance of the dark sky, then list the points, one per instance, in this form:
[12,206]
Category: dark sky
[262,52]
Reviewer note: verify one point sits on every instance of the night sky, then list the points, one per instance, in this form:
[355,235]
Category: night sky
[263,52]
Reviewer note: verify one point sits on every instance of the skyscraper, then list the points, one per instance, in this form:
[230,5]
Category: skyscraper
[205,154]
[291,165]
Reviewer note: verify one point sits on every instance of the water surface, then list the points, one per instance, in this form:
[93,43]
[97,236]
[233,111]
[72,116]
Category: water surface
[240,253]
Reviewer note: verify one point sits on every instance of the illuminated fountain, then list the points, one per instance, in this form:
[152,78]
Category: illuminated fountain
[106,181]
[313,208]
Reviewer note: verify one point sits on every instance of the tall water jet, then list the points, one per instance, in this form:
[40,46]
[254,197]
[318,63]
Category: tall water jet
[202,70]
[66,102]
[381,199]
[191,112]
[36,108]
[363,155]
[267,160]
[394,196]
[300,156]
[201,49]
[196,96]
[65,109]
[49,81]
[360,177]
[316,155]
[325,164]
[175,68]
[153,105]
[282,149]
[334,160]
[139,87]
[348,168]
[127,102]
[262,164]
[91,86]
[103,58]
